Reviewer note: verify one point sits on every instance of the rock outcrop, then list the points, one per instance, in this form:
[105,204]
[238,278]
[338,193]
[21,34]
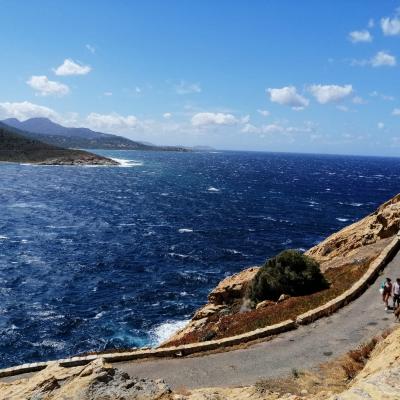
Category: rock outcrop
[226,298]
[80,159]
[95,381]
[382,224]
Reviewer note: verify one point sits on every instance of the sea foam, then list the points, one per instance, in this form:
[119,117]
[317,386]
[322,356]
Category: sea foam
[164,331]
[127,163]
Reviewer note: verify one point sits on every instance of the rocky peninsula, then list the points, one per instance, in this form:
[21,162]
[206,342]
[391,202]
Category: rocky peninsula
[16,148]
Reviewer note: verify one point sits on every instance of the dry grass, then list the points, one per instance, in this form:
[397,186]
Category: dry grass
[218,327]
[331,377]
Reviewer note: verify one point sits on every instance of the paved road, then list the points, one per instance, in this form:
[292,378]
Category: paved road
[305,347]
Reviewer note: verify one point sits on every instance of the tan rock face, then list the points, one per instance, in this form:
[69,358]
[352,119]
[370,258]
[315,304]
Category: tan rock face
[381,224]
[220,301]
[233,287]
[94,381]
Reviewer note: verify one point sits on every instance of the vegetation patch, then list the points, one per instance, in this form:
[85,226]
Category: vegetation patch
[291,273]
[338,280]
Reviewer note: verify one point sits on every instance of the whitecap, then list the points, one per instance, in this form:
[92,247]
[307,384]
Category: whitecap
[123,163]
[3,237]
[342,219]
[99,315]
[356,204]
[185,230]
[213,189]
[178,255]
[164,331]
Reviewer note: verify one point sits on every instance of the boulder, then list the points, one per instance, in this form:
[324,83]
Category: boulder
[208,310]
[233,287]
[265,304]
[283,297]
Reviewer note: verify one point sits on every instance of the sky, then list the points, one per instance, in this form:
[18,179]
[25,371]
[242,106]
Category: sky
[264,75]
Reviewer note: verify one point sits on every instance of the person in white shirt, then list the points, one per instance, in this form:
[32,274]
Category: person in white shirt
[396,294]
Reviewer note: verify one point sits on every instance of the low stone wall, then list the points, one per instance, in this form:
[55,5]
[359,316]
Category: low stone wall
[178,351]
[356,290]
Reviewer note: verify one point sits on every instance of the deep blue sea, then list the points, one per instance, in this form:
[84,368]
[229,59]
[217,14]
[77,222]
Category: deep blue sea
[95,258]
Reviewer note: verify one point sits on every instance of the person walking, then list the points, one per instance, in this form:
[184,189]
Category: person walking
[386,290]
[396,294]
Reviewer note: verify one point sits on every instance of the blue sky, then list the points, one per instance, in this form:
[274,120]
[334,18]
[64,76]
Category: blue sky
[313,76]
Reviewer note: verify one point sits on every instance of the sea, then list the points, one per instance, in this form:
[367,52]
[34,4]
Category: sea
[98,258]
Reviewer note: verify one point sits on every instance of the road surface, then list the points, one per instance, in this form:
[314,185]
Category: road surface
[305,347]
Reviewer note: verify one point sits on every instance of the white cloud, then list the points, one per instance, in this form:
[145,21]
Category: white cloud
[44,87]
[382,96]
[330,93]
[264,113]
[70,67]
[138,90]
[396,112]
[167,115]
[391,26]
[209,118]
[288,96]
[91,48]
[111,122]
[383,58]
[187,88]
[108,93]
[371,23]
[343,108]
[279,128]
[358,100]
[380,125]
[360,36]
[25,110]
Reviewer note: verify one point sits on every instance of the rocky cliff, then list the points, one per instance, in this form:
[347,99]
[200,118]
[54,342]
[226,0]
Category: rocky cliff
[381,224]
[356,245]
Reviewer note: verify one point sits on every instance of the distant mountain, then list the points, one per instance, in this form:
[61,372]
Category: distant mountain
[15,147]
[49,132]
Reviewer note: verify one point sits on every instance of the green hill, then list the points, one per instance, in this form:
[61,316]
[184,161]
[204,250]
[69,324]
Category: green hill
[14,147]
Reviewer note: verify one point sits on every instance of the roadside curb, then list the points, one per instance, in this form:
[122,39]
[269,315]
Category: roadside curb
[179,351]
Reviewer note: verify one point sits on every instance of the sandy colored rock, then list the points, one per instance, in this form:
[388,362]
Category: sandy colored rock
[95,381]
[230,290]
[208,310]
[383,223]
[265,304]
[233,287]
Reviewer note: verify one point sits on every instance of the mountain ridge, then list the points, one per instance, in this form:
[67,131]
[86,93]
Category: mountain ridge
[49,132]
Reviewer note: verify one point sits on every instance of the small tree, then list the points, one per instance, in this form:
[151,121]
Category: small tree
[290,272]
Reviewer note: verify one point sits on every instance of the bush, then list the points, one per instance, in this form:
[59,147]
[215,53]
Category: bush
[290,272]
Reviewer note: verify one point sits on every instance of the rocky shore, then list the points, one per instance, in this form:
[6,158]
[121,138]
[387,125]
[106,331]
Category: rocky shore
[355,246]
[82,159]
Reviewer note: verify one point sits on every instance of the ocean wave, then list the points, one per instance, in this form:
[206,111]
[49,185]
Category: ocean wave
[178,255]
[127,163]
[213,189]
[342,219]
[2,237]
[185,230]
[164,331]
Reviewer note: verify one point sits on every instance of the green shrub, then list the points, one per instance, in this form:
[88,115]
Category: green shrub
[290,272]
